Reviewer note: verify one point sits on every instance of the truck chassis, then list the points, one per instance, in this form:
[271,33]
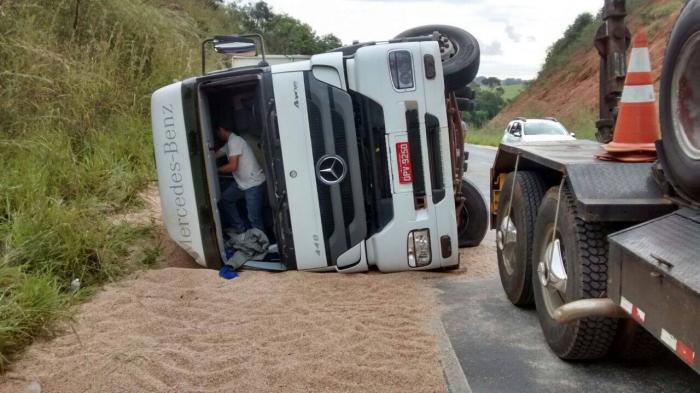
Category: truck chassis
[652,274]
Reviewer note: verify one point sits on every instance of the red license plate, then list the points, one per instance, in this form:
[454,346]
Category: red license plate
[403,154]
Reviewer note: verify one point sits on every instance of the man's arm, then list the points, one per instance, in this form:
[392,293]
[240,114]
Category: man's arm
[220,153]
[231,166]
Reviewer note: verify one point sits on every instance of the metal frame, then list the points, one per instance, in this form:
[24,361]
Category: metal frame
[587,179]
[456,136]
[263,50]
[612,41]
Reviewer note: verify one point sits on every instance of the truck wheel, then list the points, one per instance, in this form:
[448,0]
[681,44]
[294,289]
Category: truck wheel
[679,103]
[465,105]
[473,216]
[572,267]
[515,234]
[459,51]
[465,92]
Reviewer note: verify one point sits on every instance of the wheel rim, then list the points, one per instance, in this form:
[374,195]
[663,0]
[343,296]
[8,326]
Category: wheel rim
[448,49]
[506,241]
[685,98]
[552,276]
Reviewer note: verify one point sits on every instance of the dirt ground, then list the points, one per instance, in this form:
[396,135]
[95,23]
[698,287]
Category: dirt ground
[182,328]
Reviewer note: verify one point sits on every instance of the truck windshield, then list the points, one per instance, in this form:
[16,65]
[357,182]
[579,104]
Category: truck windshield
[334,137]
[374,162]
[534,127]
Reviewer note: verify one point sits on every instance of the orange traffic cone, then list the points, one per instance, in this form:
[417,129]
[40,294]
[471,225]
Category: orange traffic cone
[637,126]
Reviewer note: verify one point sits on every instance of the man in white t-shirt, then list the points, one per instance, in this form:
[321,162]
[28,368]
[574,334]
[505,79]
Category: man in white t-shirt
[248,184]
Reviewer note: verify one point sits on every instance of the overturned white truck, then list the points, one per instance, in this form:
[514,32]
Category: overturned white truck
[362,149]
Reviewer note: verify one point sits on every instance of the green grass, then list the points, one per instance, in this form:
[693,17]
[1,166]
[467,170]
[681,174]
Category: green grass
[28,304]
[510,91]
[654,15]
[582,123]
[76,147]
[484,138]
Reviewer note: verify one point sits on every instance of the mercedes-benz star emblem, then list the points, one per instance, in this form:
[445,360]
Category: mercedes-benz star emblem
[331,169]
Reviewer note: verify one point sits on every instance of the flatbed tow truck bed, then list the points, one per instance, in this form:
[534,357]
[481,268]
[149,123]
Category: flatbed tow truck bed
[605,191]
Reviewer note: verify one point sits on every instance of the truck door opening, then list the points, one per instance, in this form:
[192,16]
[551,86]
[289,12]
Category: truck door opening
[236,104]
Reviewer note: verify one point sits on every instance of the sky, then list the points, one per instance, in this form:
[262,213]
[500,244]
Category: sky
[513,34]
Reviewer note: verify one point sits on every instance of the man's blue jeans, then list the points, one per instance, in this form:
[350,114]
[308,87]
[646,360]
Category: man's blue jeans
[230,215]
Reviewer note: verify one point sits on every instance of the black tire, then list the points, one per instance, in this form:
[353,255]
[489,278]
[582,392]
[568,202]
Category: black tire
[585,255]
[682,165]
[516,270]
[465,92]
[474,216]
[463,65]
[465,105]
[633,343]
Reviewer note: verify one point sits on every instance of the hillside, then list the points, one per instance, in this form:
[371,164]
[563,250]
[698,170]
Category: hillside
[75,143]
[567,88]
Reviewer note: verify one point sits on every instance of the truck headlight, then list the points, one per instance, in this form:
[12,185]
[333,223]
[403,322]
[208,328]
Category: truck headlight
[419,253]
[401,67]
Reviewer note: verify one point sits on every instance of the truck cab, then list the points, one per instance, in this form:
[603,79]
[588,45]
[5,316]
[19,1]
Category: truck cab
[355,150]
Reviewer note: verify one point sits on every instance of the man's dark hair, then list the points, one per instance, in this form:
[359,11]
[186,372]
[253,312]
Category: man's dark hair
[225,122]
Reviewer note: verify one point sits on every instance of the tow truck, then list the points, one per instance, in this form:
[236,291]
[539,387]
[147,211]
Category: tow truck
[609,252]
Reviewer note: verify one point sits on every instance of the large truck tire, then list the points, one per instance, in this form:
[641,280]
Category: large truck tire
[679,103]
[474,216]
[515,233]
[584,251]
[460,51]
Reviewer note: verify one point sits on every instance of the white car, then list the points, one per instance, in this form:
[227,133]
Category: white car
[536,130]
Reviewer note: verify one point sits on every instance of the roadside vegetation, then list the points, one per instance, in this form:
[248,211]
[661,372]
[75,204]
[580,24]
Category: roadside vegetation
[491,95]
[75,143]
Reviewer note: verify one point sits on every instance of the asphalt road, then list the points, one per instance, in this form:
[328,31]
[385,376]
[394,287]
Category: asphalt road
[501,349]
[479,171]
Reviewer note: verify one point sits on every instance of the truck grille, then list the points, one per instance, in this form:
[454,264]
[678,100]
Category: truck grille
[332,132]
[318,151]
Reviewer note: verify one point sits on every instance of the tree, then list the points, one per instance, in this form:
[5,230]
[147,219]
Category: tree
[492,82]
[573,36]
[256,16]
[328,42]
[283,33]
[488,105]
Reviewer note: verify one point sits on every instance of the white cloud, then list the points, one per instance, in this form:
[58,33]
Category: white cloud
[510,32]
[536,24]
[492,49]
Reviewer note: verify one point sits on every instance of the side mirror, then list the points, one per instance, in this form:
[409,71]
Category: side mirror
[517,134]
[233,44]
[573,134]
